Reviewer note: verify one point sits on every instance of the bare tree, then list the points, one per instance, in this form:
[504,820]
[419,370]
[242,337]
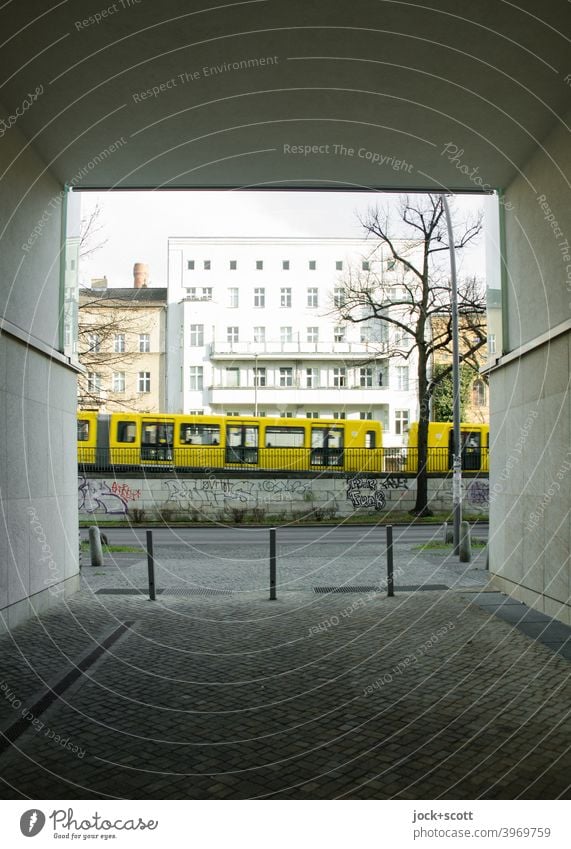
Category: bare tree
[89,239]
[411,291]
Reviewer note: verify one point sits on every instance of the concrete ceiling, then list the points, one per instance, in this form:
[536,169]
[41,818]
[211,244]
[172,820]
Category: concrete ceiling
[395,79]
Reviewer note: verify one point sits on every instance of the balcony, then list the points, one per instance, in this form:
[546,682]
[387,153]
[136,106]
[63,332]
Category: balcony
[277,350]
[332,396]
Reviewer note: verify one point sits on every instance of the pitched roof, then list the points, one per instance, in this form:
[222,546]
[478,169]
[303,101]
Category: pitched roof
[147,295]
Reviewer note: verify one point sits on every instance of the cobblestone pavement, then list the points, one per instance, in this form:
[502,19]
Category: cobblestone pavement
[424,695]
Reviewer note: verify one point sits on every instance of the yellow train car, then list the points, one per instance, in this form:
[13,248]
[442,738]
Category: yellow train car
[474,450]
[86,436]
[190,442]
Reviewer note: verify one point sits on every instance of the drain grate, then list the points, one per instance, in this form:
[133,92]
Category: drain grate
[192,591]
[371,589]
[346,589]
[178,591]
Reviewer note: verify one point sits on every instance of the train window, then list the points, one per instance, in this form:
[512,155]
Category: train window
[242,435]
[470,439]
[193,434]
[157,433]
[327,437]
[82,430]
[370,439]
[285,437]
[126,431]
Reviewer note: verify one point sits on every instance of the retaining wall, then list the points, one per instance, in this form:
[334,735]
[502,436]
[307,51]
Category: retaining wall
[218,497]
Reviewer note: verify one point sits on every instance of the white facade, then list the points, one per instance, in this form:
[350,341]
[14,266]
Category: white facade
[241,309]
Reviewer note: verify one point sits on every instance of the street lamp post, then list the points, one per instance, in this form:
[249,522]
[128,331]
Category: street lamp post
[457,461]
[255,384]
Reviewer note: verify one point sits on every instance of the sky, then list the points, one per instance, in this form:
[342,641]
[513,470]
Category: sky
[137,225]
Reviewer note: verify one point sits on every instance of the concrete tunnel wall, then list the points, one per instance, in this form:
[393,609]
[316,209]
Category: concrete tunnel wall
[530,477]
[38,482]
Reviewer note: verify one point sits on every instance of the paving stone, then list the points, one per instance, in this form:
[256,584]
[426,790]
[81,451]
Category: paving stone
[234,697]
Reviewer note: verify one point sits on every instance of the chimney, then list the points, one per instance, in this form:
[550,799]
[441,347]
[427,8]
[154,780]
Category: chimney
[140,275]
[98,282]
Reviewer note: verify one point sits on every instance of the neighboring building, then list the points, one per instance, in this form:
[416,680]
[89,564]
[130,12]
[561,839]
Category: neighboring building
[477,407]
[122,335]
[252,329]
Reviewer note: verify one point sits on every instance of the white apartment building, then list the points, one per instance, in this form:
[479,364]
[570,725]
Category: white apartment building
[252,330]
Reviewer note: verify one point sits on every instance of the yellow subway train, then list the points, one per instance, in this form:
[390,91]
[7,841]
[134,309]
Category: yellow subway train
[165,441]
[475,443]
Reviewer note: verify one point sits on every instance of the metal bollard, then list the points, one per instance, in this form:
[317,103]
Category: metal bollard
[95,546]
[151,566]
[465,543]
[448,534]
[273,595]
[390,575]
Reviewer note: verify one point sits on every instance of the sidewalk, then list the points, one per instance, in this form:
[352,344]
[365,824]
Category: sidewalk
[317,696]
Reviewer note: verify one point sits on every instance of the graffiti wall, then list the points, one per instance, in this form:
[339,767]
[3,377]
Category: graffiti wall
[216,497]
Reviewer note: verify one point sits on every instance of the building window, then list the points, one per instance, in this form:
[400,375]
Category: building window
[339,415]
[366,377]
[285,264]
[401,421]
[402,377]
[259,334]
[196,377]
[339,333]
[196,412]
[144,343]
[119,343]
[313,334]
[233,265]
[94,342]
[232,376]
[339,297]
[190,265]
[286,334]
[366,416]
[312,378]
[312,265]
[232,334]
[259,376]
[339,265]
[196,335]
[285,415]
[144,382]
[403,340]
[366,265]
[312,414]
[491,343]
[207,293]
[479,393]
[232,412]
[312,297]
[206,265]
[93,382]
[191,292]
[118,381]
[233,297]
[259,264]
[286,376]
[285,297]
[259,297]
[339,377]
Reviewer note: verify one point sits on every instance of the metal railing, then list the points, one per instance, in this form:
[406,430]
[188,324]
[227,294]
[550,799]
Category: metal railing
[200,457]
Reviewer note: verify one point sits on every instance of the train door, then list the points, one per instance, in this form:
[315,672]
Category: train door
[471,449]
[157,440]
[327,446]
[242,444]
